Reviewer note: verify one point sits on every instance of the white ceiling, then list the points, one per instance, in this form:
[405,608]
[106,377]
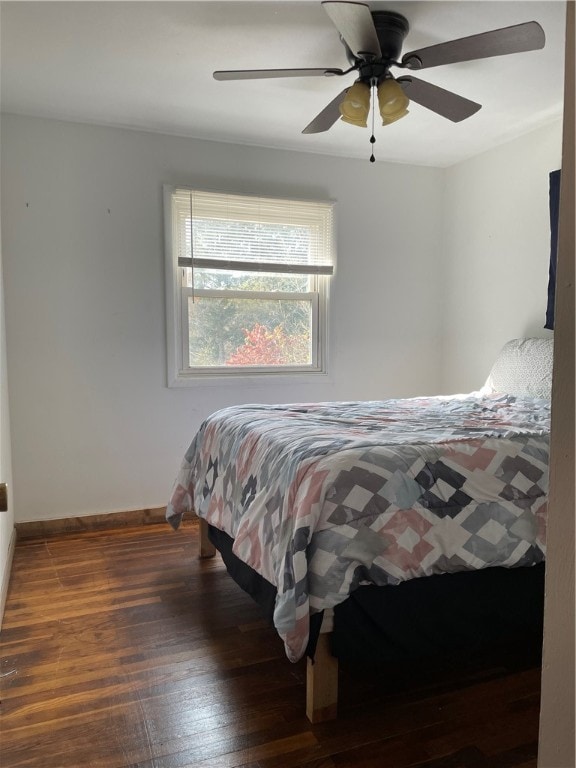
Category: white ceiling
[149,65]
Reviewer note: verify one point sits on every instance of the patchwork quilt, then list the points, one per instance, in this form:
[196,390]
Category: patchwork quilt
[323,497]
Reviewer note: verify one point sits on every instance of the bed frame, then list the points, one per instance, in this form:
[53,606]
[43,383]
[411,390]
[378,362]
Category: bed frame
[494,613]
[321,674]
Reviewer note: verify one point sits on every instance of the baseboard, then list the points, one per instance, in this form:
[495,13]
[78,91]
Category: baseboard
[42,528]
[6,574]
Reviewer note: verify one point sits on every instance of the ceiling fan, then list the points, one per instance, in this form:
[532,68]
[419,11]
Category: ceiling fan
[373,42]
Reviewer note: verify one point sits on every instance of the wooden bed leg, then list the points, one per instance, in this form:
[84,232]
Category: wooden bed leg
[322,683]
[207,549]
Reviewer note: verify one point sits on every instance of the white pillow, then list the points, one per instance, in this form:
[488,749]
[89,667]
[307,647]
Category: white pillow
[523,368]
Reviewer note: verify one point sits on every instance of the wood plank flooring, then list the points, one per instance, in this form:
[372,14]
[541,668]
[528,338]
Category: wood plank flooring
[120,648]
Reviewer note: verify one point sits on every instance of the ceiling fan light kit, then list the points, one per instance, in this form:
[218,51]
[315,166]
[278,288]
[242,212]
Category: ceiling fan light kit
[373,43]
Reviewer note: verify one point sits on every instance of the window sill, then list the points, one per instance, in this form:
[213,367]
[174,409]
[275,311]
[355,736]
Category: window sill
[245,379]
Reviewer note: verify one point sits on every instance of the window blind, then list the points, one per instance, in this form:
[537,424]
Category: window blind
[236,232]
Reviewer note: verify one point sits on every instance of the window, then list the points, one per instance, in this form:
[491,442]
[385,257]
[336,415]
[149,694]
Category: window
[247,284]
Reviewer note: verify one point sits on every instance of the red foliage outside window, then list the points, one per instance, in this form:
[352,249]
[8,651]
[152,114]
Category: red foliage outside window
[263,346]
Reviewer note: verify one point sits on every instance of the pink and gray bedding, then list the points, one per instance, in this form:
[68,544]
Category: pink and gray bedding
[322,498]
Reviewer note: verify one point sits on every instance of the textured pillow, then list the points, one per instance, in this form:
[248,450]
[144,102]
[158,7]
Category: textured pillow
[523,368]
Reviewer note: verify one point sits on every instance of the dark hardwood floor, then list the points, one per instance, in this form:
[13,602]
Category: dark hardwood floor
[120,648]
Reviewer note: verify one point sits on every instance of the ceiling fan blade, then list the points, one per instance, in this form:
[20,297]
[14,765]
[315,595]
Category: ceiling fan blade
[521,37]
[356,26]
[444,103]
[326,119]
[258,74]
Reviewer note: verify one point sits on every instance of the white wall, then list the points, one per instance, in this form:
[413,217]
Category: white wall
[94,427]
[497,247]
[436,270]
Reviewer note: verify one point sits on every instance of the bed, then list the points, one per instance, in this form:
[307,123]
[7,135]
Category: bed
[395,529]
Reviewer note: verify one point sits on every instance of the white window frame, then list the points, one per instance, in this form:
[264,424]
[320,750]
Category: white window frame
[180,373]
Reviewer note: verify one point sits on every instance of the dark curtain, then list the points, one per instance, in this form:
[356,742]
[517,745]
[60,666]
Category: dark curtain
[554,210]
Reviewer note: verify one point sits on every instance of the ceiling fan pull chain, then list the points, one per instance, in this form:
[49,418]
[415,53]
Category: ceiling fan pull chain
[373,138]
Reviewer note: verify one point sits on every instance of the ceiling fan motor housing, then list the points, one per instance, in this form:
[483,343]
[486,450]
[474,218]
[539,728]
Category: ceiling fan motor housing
[391,29]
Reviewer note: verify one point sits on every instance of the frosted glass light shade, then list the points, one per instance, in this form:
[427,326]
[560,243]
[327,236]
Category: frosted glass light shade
[356,105]
[392,100]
